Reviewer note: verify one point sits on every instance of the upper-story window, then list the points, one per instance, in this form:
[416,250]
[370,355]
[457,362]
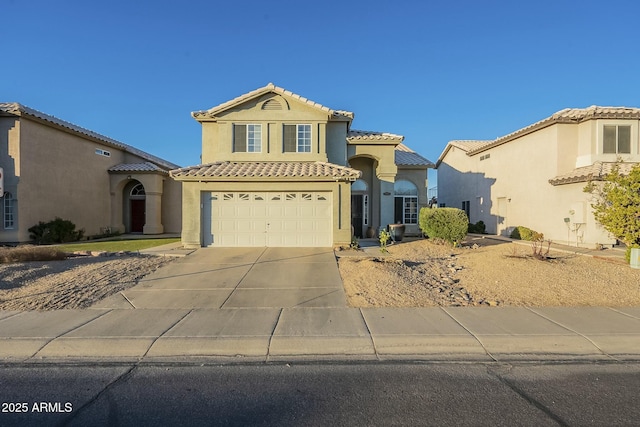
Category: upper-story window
[297,138]
[616,139]
[247,138]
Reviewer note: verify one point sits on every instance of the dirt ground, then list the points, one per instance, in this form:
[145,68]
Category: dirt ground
[70,283]
[412,274]
[422,274]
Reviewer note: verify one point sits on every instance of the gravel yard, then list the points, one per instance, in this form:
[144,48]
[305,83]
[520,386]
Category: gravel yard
[423,274]
[76,282]
[412,274]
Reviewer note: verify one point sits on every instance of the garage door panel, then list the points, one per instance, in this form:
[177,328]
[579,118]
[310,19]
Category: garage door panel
[292,219]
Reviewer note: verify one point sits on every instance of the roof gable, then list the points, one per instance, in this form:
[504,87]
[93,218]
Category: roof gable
[214,112]
[17,109]
[568,115]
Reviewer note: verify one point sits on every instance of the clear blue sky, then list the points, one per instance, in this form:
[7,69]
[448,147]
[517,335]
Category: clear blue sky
[432,71]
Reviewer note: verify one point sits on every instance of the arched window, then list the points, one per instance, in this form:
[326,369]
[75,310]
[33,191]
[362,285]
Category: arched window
[359,185]
[9,211]
[137,190]
[405,202]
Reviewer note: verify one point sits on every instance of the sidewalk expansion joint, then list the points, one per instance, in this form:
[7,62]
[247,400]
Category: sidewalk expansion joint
[575,332]
[373,341]
[623,313]
[242,278]
[66,332]
[163,334]
[273,332]
[470,333]
[128,300]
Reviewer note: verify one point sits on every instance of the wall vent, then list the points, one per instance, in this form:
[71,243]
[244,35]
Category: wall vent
[271,104]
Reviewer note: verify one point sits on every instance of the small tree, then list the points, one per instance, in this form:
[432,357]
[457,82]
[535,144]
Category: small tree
[616,205]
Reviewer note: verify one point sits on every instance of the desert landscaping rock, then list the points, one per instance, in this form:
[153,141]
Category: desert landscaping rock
[413,274]
[76,282]
[423,274]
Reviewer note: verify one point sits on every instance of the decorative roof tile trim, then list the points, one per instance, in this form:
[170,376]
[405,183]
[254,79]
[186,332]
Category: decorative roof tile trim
[267,170]
[595,172]
[568,115]
[138,167]
[210,113]
[354,135]
[405,156]
[19,110]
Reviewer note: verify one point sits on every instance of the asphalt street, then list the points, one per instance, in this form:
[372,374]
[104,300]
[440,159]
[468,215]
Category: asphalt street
[317,394]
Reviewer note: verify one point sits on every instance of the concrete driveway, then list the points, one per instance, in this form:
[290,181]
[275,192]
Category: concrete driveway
[240,278]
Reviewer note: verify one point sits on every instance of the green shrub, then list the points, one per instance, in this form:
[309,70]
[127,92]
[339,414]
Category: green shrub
[477,228]
[450,224]
[56,231]
[524,233]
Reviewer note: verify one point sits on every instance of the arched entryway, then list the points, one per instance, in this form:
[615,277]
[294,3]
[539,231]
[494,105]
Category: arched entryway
[134,207]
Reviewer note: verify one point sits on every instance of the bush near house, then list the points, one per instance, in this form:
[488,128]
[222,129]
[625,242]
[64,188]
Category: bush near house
[478,228]
[450,224]
[524,233]
[57,231]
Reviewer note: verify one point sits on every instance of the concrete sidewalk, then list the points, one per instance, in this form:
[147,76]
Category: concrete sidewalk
[234,335]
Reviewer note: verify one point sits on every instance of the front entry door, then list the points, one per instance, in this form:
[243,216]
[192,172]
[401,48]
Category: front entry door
[357,215]
[137,215]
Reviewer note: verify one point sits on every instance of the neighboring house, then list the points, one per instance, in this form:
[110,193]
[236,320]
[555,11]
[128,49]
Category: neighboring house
[534,177]
[53,168]
[281,170]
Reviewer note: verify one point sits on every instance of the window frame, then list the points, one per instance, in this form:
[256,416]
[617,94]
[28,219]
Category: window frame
[409,203]
[616,142]
[8,211]
[252,138]
[303,145]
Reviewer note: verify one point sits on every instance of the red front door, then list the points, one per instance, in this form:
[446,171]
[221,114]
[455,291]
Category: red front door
[137,215]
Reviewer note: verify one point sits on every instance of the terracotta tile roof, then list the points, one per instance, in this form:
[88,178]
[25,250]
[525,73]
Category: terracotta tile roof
[338,114]
[354,135]
[137,167]
[568,115]
[405,156]
[596,172]
[17,109]
[267,170]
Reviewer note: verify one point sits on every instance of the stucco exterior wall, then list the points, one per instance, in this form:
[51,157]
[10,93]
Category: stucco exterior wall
[62,176]
[217,136]
[511,187]
[53,172]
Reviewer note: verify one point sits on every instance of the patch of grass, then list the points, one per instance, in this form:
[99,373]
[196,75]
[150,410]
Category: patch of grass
[31,253]
[117,245]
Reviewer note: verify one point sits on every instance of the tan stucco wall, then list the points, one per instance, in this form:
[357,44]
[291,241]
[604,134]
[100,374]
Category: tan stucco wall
[59,174]
[192,210]
[217,135]
[511,187]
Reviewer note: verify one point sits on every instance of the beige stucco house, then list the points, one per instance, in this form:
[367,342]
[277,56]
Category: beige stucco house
[53,168]
[281,170]
[534,177]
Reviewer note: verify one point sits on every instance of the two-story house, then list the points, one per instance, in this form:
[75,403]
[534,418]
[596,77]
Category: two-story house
[534,177]
[53,168]
[281,170]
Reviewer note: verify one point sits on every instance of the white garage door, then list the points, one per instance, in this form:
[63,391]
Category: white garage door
[274,219]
